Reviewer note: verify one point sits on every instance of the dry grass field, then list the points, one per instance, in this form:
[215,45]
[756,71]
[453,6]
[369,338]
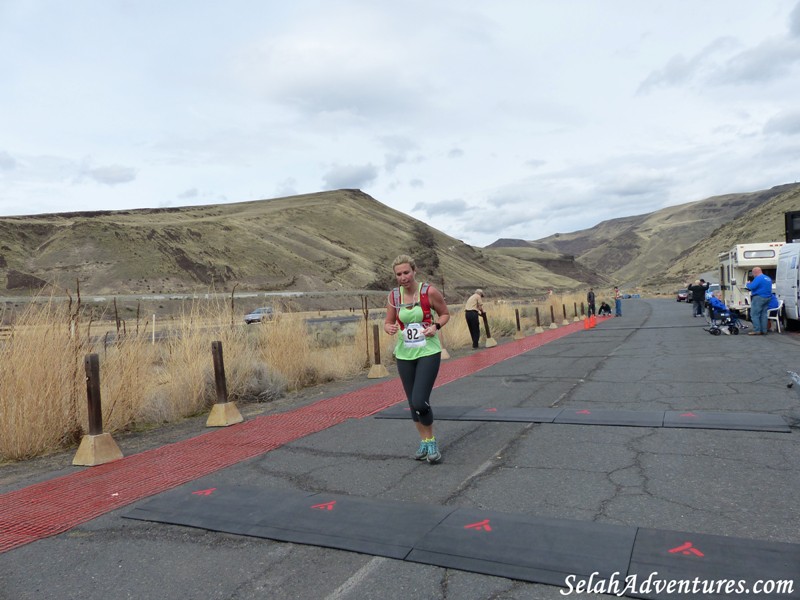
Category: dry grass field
[146,383]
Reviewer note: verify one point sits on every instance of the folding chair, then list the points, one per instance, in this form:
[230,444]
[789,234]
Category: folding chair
[774,314]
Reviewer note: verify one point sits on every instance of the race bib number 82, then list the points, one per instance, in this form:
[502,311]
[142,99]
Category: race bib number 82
[413,336]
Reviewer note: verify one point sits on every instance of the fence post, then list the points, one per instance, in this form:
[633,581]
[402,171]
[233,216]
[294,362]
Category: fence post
[223,413]
[538,322]
[553,318]
[565,321]
[490,341]
[518,335]
[96,448]
[575,312]
[377,370]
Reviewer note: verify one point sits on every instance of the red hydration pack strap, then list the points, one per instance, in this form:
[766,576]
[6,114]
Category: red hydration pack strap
[424,303]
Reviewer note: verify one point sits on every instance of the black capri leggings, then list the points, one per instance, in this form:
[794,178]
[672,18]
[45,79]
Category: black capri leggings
[418,377]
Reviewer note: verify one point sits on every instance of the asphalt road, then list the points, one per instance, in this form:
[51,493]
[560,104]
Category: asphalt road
[656,357]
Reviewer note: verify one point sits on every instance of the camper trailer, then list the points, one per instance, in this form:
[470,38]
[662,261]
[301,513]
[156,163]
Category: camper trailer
[736,269]
[787,280]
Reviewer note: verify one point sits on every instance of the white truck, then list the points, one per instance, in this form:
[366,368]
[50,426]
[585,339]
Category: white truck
[787,280]
[736,268]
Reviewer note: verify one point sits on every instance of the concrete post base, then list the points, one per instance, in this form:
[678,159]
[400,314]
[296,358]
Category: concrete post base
[519,335]
[224,414]
[96,450]
[377,371]
[491,342]
[553,325]
[445,354]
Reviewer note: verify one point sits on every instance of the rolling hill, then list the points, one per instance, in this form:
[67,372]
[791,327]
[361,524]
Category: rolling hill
[327,241]
[668,246]
[345,240]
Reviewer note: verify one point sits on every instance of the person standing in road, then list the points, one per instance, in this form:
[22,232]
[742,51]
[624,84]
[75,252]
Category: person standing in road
[760,293]
[698,297]
[472,310]
[590,301]
[418,311]
[617,303]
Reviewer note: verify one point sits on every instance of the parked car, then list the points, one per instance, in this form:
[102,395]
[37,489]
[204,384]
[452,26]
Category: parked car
[264,313]
[682,295]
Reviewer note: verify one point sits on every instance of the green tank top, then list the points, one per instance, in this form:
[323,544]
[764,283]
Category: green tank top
[411,316]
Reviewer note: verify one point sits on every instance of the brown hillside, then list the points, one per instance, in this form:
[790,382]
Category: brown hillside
[641,250]
[765,223]
[328,241]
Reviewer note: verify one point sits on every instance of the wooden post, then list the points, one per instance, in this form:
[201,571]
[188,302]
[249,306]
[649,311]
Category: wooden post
[365,312]
[575,312]
[219,373]
[538,323]
[91,364]
[223,413]
[490,341]
[96,448]
[518,335]
[553,318]
[377,370]
[233,303]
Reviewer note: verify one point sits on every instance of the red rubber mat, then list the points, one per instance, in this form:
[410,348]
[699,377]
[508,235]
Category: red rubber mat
[57,505]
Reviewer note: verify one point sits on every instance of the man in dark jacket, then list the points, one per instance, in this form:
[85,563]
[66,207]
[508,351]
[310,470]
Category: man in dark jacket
[698,298]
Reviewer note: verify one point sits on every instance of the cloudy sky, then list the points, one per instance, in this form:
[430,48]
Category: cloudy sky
[485,119]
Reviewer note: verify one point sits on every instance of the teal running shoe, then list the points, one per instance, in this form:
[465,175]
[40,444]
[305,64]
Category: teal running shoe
[434,455]
[422,452]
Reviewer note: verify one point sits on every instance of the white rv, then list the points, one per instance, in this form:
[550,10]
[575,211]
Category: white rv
[736,268]
[787,280]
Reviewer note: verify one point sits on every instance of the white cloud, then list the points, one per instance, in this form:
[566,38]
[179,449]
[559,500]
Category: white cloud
[112,175]
[786,123]
[7,162]
[794,22]
[770,60]
[350,176]
[445,207]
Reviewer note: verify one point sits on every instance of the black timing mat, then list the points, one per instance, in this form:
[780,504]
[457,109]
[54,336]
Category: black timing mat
[744,421]
[525,547]
[384,528]
[713,560]
[560,552]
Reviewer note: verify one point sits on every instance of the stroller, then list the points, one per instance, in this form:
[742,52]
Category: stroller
[724,321]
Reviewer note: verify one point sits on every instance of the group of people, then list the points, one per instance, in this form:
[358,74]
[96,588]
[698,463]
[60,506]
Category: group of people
[604,309]
[762,300]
